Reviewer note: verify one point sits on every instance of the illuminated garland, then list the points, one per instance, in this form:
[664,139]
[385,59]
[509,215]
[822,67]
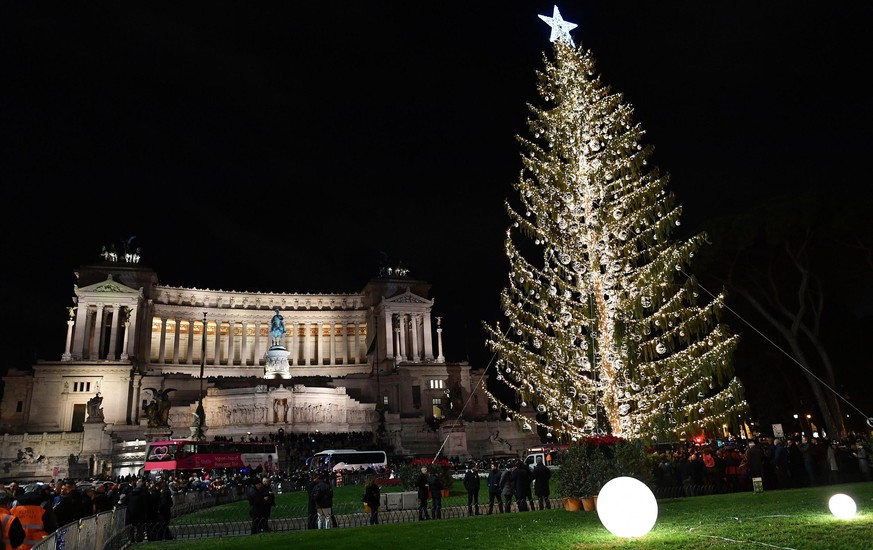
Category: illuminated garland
[605,334]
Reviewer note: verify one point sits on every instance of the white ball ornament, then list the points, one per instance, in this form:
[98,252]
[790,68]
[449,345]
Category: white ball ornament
[627,507]
[842,506]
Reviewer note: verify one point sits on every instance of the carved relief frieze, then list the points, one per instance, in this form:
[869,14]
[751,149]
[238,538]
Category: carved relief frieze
[108,286]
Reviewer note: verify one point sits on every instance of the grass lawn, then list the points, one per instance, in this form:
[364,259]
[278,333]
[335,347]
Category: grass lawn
[796,518]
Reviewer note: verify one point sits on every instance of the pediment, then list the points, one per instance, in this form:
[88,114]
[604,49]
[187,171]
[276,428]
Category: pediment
[109,286]
[407,298]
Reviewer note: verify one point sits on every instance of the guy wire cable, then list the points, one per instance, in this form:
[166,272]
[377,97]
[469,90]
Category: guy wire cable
[775,345]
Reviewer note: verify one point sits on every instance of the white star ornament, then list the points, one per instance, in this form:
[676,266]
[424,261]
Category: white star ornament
[560,28]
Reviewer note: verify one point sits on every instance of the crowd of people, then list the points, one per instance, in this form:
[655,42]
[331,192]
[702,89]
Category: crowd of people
[778,463]
[41,508]
[512,482]
[32,511]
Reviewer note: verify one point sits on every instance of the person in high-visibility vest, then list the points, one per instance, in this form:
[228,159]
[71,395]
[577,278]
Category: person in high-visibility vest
[11,531]
[34,510]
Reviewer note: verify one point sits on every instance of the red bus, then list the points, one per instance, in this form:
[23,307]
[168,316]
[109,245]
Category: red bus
[213,457]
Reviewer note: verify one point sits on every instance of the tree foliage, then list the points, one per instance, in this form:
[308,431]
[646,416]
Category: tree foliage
[800,271]
[605,330]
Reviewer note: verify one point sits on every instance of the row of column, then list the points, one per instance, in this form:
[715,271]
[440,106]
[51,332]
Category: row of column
[344,345]
[408,334]
[89,339]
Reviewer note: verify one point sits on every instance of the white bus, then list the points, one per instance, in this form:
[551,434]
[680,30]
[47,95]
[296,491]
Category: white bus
[347,459]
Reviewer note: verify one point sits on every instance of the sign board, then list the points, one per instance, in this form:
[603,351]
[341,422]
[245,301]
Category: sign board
[777,431]
[757,484]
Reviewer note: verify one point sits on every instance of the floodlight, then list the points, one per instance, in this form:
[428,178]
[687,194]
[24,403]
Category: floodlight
[627,507]
[842,506]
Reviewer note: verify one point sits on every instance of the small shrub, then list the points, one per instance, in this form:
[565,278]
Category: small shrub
[587,466]
[408,473]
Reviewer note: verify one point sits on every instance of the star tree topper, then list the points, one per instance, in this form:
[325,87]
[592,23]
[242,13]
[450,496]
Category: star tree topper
[560,28]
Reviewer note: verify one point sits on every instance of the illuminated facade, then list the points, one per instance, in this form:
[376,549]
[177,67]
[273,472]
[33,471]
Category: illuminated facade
[128,336]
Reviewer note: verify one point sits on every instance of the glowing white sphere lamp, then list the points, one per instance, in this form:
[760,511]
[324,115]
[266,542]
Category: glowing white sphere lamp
[627,507]
[842,506]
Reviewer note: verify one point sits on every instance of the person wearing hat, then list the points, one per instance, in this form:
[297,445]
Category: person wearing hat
[422,484]
[36,516]
[13,533]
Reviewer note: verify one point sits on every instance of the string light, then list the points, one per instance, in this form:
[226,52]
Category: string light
[605,330]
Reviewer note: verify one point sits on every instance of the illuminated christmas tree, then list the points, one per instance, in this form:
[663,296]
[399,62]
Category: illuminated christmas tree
[605,334]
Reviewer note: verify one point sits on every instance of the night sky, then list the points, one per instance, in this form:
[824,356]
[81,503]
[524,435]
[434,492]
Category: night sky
[288,146]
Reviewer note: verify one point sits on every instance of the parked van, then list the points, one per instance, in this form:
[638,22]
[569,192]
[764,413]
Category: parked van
[548,455]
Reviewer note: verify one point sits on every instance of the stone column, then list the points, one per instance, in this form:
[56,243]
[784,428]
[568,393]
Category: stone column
[231,341]
[359,349]
[162,348]
[244,354]
[402,334]
[130,325]
[257,343]
[81,324]
[177,334]
[294,347]
[428,341]
[319,348]
[307,343]
[415,322]
[67,356]
[189,359]
[125,343]
[217,359]
[94,355]
[348,331]
[388,327]
[332,342]
[440,357]
[113,331]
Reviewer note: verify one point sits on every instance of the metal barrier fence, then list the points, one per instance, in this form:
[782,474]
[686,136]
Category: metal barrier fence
[100,531]
[108,530]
